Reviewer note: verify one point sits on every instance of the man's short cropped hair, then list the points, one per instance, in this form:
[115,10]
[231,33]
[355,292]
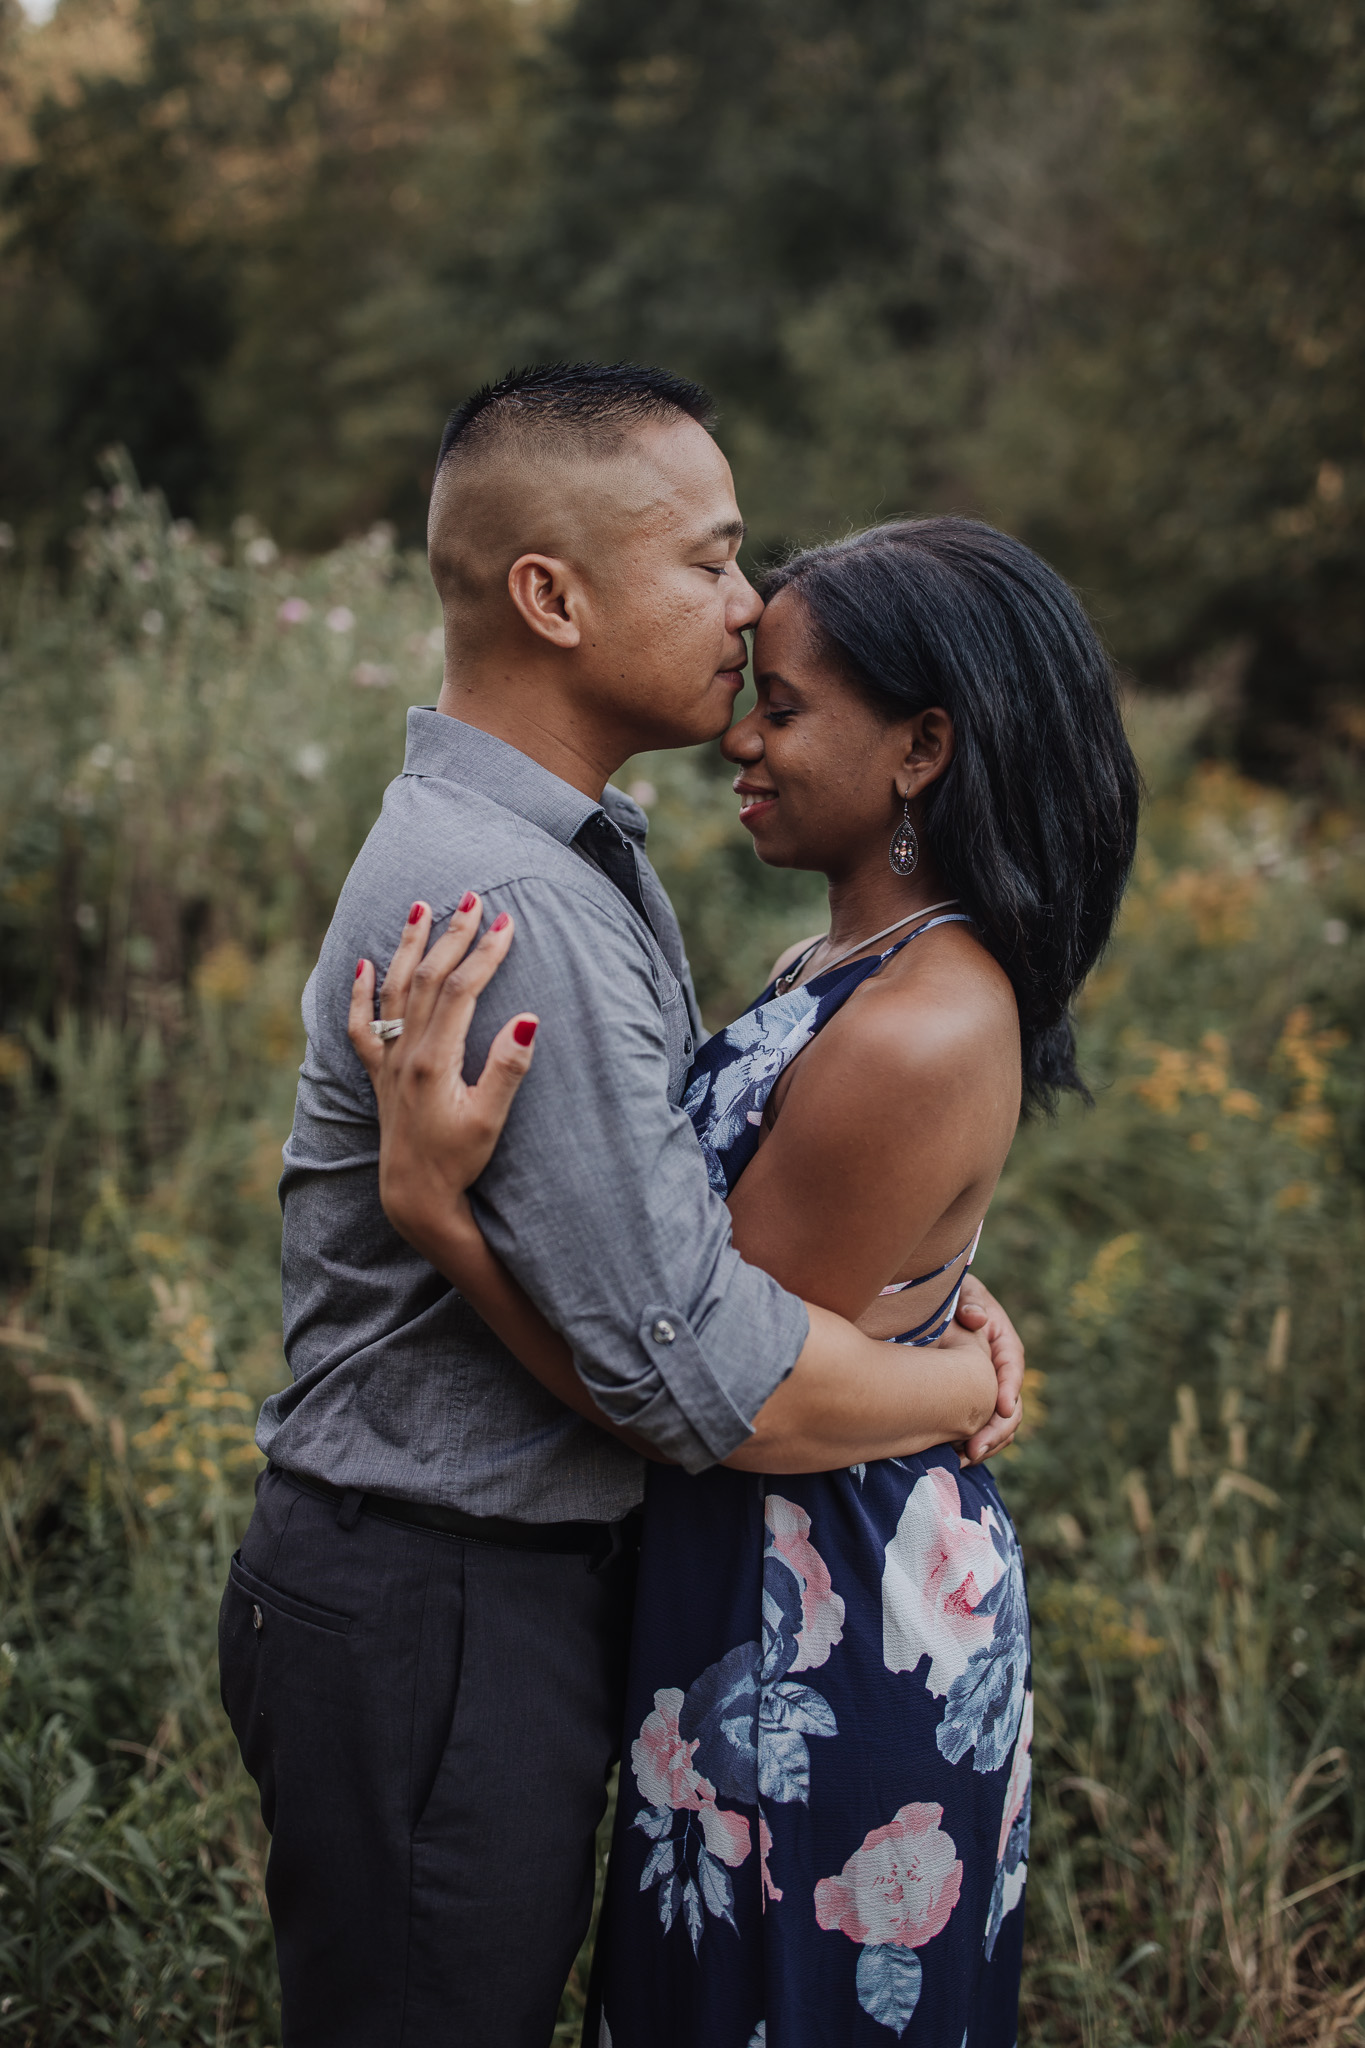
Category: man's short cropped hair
[585,403]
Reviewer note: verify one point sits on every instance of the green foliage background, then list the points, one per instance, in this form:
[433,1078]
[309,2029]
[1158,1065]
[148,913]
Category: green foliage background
[1089,267]
[198,739]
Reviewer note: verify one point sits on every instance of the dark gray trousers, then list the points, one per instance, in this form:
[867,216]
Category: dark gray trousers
[431,1722]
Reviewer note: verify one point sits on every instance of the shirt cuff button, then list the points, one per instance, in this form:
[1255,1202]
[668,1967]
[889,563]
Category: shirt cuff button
[663,1331]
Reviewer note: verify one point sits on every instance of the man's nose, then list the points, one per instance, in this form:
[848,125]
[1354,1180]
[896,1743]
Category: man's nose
[746,606]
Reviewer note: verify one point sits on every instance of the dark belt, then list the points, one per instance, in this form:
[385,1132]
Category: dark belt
[598,1542]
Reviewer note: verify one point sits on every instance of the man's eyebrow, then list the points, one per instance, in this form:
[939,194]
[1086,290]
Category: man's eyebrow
[728,529]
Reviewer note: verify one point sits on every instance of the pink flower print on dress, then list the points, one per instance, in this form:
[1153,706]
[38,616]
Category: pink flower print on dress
[687,1863]
[822,1610]
[1021,1774]
[725,1834]
[1011,1862]
[900,1888]
[765,1850]
[894,1894]
[939,1568]
[662,1760]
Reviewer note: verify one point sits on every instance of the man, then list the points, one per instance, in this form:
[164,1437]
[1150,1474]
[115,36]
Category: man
[423,1636]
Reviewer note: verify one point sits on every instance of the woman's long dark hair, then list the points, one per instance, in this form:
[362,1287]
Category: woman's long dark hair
[1034,822]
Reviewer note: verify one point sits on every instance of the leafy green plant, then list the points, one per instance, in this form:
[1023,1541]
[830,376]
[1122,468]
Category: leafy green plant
[1184,1259]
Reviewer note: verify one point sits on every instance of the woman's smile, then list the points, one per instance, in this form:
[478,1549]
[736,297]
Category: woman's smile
[756,799]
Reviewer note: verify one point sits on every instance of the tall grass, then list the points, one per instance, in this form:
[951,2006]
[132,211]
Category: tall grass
[195,745]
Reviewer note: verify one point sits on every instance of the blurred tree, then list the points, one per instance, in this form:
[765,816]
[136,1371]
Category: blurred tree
[1172,217]
[765,208]
[197,243]
[1090,267]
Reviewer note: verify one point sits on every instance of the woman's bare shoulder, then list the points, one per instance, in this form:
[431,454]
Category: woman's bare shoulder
[940,1020]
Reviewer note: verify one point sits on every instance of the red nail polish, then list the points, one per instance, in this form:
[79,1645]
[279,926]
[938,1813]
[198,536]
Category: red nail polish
[415,913]
[500,923]
[467,902]
[525,1030]
[359,969]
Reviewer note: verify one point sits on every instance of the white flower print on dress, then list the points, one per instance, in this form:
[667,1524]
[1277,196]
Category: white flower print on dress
[953,1591]
[822,1610]
[765,1040]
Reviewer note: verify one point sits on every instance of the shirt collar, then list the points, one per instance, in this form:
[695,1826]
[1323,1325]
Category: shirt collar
[448,750]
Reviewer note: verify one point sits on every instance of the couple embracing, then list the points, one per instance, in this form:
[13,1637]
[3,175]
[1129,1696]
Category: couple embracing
[640,1393]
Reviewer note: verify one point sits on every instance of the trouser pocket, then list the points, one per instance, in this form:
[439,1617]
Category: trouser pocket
[269,1645]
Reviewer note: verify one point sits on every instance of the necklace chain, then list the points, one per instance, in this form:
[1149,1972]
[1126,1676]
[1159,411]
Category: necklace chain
[786,982]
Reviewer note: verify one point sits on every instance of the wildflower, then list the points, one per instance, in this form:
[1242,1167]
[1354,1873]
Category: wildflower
[310,761]
[372,675]
[261,552]
[1113,1273]
[340,619]
[225,975]
[152,622]
[14,1059]
[1218,904]
[643,793]
[1239,1102]
[1336,931]
[294,611]
[1307,1055]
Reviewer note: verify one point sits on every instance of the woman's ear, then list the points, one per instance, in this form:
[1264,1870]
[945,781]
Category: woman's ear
[545,591]
[928,750]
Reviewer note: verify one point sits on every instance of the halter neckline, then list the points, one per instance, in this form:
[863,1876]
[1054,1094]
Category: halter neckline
[784,983]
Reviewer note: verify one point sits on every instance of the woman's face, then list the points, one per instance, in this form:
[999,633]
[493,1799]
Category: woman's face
[821,773]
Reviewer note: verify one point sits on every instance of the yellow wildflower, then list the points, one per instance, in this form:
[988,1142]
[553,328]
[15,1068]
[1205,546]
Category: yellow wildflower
[1114,1272]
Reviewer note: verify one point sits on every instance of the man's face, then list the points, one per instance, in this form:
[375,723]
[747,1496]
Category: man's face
[662,651]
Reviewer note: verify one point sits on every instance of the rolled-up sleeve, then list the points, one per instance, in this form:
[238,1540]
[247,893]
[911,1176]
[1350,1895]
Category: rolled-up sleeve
[597,1197]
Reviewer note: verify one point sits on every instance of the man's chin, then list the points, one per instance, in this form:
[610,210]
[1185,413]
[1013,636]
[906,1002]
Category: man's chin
[709,722]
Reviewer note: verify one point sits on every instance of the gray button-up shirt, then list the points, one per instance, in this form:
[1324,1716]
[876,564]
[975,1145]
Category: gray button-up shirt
[596,1198]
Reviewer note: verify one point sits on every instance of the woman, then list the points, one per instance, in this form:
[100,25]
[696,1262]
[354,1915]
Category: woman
[822,1828]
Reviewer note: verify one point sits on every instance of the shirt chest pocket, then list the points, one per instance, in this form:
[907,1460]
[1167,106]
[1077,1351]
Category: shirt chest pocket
[677,1035]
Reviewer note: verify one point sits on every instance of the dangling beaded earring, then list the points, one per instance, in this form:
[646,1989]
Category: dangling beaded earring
[905,845]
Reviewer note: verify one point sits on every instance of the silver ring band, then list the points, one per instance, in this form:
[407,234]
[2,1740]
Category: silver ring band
[386,1027]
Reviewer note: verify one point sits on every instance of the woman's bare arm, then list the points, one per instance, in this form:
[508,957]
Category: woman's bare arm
[848,1399]
[845,1402]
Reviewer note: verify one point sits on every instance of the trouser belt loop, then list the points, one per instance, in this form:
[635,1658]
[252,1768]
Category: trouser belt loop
[620,1537]
[348,1514]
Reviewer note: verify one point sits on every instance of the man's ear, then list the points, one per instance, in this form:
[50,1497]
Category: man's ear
[928,750]
[547,595]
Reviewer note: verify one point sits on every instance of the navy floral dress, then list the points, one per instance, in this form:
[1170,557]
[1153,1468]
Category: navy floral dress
[822,1828]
